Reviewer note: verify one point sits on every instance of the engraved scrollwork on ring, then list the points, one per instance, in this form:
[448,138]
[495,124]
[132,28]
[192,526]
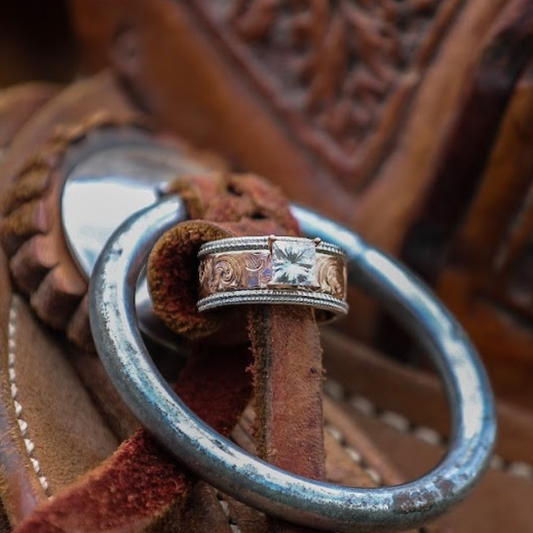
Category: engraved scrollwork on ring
[205,273]
[330,276]
[252,270]
[228,273]
[258,268]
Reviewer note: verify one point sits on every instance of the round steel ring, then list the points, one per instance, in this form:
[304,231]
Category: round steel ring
[227,467]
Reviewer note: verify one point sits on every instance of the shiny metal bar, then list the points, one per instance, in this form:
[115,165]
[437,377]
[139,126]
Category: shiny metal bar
[250,480]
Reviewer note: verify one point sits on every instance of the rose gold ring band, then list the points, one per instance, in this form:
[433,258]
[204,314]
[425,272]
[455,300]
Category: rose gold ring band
[273,270]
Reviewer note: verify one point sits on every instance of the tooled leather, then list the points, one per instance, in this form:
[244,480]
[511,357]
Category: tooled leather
[343,114]
[237,46]
[337,74]
[32,234]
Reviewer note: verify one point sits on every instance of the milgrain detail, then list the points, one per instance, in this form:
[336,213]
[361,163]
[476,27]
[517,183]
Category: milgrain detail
[425,434]
[279,296]
[12,376]
[261,243]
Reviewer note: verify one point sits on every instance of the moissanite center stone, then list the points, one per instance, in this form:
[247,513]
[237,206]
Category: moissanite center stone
[293,263]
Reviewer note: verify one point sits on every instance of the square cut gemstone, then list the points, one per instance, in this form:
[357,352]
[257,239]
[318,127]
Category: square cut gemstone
[293,263]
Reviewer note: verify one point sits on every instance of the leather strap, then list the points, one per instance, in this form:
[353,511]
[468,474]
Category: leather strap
[288,398]
[288,378]
[287,369]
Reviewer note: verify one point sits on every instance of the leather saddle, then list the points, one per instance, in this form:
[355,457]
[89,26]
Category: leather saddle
[269,88]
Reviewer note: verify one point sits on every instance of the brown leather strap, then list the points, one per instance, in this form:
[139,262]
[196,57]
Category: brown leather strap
[288,380]
[285,342]
[288,397]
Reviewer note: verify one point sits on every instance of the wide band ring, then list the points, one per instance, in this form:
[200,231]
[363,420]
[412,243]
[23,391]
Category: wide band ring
[273,270]
[236,473]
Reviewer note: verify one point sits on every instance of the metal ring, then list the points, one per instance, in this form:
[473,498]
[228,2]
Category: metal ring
[260,485]
[273,270]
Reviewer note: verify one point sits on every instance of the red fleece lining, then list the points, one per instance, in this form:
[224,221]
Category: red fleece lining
[142,481]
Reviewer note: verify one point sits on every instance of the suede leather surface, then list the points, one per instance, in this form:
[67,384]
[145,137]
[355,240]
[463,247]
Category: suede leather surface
[288,392]
[66,418]
[288,401]
[19,490]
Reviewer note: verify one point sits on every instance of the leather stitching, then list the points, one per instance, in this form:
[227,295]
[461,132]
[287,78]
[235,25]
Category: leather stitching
[354,455]
[12,375]
[232,522]
[425,434]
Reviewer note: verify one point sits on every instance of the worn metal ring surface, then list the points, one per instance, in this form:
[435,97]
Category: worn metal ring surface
[235,472]
[273,270]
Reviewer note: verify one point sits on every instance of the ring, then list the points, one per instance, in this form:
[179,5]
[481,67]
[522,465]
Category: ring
[224,465]
[273,270]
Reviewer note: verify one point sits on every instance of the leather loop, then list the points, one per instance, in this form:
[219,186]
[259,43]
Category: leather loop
[287,368]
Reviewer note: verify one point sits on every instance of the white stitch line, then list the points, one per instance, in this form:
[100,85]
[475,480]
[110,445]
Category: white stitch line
[354,454]
[520,469]
[12,374]
[423,433]
[225,507]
